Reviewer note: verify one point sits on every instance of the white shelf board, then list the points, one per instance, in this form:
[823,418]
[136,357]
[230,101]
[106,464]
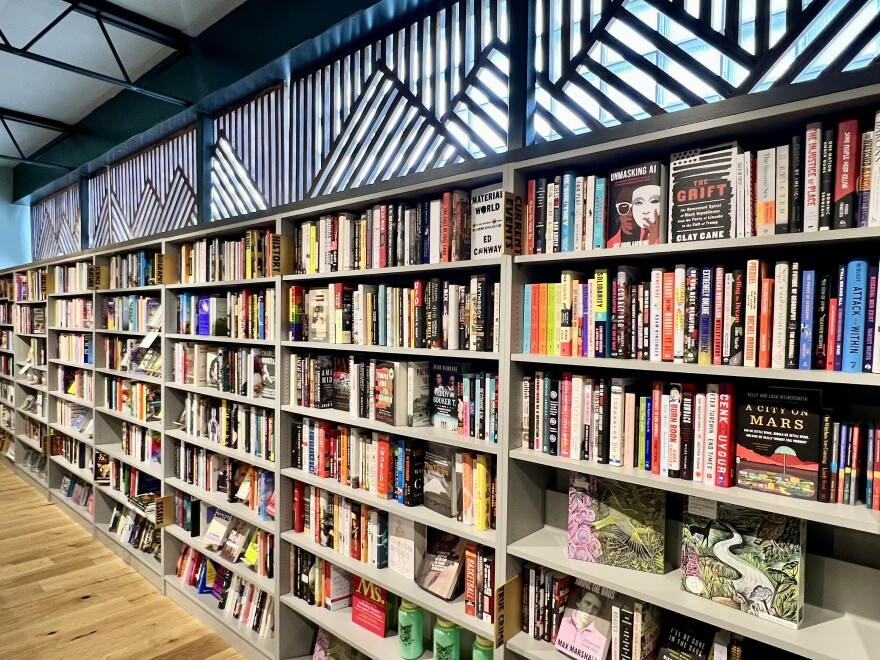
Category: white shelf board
[143,558]
[71,294]
[857,517]
[33,444]
[81,473]
[340,624]
[61,328]
[150,288]
[114,450]
[68,363]
[66,501]
[239,567]
[839,237]
[7,377]
[229,396]
[33,416]
[145,378]
[210,339]
[7,429]
[256,282]
[220,449]
[24,382]
[31,335]
[9,351]
[823,635]
[127,333]
[391,271]
[420,514]
[73,433]
[31,302]
[208,604]
[533,649]
[396,583]
[428,433]
[7,402]
[71,398]
[114,494]
[389,351]
[35,367]
[219,500]
[717,372]
[153,426]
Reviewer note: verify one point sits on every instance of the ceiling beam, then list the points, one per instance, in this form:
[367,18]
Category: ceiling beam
[88,73]
[29,161]
[34,120]
[131,21]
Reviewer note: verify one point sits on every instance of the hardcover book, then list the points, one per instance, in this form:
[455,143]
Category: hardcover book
[616,524]
[446,396]
[442,564]
[391,390]
[584,631]
[441,481]
[637,209]
[496,223]
[779,440]
[372,607]
[702,191]
[406,546]
[746,559]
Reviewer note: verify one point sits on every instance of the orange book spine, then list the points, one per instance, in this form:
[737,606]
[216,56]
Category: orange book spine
[383,457]
[668,344]
[765,323]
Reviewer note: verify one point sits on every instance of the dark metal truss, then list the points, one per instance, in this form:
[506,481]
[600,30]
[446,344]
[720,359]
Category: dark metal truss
[7,116]
[106,13]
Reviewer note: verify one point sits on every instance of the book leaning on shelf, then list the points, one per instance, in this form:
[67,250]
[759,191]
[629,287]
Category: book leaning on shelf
[136,530]
[237,540]
[431,313]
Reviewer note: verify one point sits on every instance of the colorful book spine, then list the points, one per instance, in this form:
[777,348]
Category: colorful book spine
[706,319]
[752,309]
[846,170]
[808,295]
[725,451]
[812,176]
[841,307]
[855,316]
[870,321]
[527,319]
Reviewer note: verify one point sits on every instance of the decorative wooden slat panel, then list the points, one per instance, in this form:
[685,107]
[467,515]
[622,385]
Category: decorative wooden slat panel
[151,192]
[56,224]
[431,94]
[601,64]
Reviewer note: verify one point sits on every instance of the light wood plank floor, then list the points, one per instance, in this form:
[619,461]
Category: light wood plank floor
[64,595]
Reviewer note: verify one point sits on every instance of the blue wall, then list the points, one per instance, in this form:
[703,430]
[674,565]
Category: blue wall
[15,225]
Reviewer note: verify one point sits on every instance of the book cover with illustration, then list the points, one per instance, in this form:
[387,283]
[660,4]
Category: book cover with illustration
[446,396]
[702,194]
[779,441]
[440,571]
[616,524]
[637,209]
[373,607]
[746,559]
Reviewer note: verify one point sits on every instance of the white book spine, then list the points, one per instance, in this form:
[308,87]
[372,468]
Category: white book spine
[678,318]
[674,460]
[812,145]
[664,435]
[874,199]
[699,435]
[452,329]
[711,434]
[780,315]
[591,318]
[589,208]
[577,422]
[749,196]
[578,213]
[782,174]
[727,319]
[615,451]
[753,287]
[740,195]
[656,314]
[377,237]
[766,192]
[434,231]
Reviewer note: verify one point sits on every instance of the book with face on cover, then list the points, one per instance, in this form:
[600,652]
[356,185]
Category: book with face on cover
[236,540]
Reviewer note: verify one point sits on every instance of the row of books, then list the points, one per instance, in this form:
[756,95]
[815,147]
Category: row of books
[128,355]
[7,289]
[236,539]
[245,371]
[259,253]
[214,473]
[33,430]
[30,286]
[79,492]
[72,278]
[323,584]
[241,314]
[247,428]
[793,318]
[143,401]
[431,314]
[74,313]
[132,313]
[5,312]
[820,180]
[238,599]
[32,460]
[135,530]
[75,416]
[29,319]
[135,269]
[77,382]
[449,481]
[130,481]
[36,355]
[141,443]
[75,347]
[448,396]
[73,451]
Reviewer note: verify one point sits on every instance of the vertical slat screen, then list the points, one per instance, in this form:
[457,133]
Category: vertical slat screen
[56,224]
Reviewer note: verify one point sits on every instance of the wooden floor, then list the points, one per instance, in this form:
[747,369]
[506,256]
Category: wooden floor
[64,595]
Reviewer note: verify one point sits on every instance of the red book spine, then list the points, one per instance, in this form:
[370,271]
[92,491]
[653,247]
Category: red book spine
[875,497]
[765,323]
[383,451]
[718,316]
[445,218]
[668,331]
[656,396]
[846,172]
[470,580]
[565,418]
[383,236]
[530,219]
[832,333]
[725,449]
[322,451]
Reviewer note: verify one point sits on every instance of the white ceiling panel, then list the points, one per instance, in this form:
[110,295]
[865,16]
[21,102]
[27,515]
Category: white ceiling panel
[189,16]
[22,20]
[139,55]
[30,138]
[47,91]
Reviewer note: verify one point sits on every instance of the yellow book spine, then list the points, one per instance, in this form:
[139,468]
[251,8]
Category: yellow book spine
[483,494]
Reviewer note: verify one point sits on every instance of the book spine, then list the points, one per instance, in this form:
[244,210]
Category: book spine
[699,436]
[782,187]
[841,313]
[603,340]
[668,328]
[599,213]
[795,186]
[712,393]
[805,352]
[820,341]
[687,432]
[679,313]
[765,192]
[870,321]
[691,334]
[846,173]
[826,187]
[673,464]
[812,176]
[656,324]
[855,315]
[781,288]
[718,316]
[863,187]
[824,491]
[791,345]
[704,354]
[725,451]
[765,327]
[727,318]
[874,200]
[752,307]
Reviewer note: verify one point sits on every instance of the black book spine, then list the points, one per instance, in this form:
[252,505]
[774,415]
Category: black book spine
[391,241]
[633,323]
[553,419]
[556,202]
[603,410]
[795,184]
[419,313]
[401,235]
[540,216]
[820,355]
[737,319]
[613,291]
[446,328]
[687,434]
[824,494]
[792,344]
[826,186]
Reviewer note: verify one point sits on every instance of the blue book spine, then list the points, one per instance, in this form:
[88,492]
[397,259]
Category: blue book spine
[568,187]
[649,415]
[490,403]
[401,455]
[704,352]
[382,308]
[599,209]
[841,300]
[527,319]
[204,316]
[382,541]
[545,441]
[843,463]
[808,296]
[856,312]
[426,232]
[261,320]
